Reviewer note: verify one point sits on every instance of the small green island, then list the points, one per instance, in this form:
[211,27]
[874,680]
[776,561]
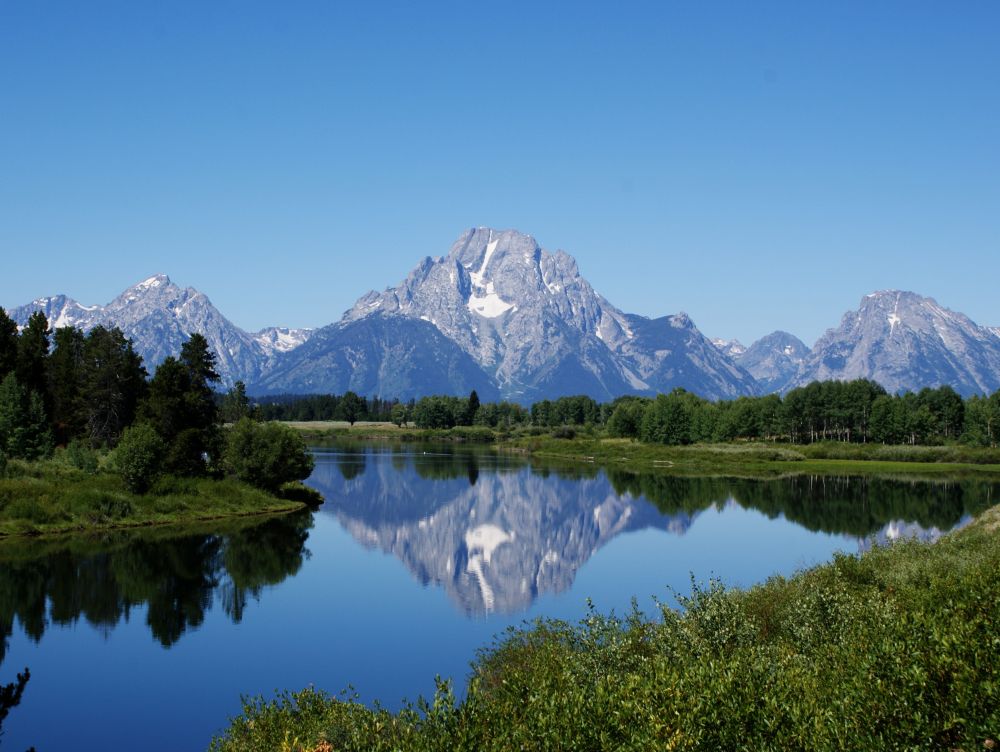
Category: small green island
[88,442]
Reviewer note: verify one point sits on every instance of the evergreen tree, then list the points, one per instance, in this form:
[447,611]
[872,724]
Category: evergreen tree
[24,428]
[471,409]
[236,404]
[113,383]
[65,376]
[181,408]
[32,355]
[8,344]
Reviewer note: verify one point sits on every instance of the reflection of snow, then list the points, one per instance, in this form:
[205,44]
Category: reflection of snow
[895,530]
[484,539]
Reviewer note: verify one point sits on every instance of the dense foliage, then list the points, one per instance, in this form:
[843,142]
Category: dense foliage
[266,455]
[895,649]
[858,411]
[139,457]
[90,393]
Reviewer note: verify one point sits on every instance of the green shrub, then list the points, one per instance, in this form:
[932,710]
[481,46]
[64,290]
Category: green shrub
[3,464]
[266,455]
[81,456]
[138,457]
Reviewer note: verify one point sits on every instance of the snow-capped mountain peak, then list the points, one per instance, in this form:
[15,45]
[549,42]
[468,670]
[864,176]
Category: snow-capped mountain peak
[530,319]
[159,317]
[906,341]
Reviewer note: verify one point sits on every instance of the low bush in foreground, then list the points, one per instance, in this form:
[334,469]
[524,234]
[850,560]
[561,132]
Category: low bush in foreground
[896,649]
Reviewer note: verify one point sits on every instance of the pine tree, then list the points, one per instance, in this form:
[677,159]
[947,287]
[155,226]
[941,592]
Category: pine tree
[8,344]
[181,408]
[65,374]
[236,404]
[24,428]
[32,355]
[113,383]
[471,408]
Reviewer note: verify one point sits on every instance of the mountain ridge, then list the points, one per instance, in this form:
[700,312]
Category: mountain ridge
[500,314]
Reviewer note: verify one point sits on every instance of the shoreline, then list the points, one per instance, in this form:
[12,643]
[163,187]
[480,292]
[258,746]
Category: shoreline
[756,459]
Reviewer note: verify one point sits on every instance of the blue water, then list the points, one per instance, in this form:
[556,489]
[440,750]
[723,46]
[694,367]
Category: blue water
[415,561]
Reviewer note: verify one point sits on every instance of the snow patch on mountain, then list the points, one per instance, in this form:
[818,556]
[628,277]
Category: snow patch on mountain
[158,316]
[905,341]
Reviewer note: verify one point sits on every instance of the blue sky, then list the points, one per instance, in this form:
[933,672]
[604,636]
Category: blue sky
[758,165]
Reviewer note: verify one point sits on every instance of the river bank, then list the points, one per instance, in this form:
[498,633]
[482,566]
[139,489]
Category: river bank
[895,648]
[50,497]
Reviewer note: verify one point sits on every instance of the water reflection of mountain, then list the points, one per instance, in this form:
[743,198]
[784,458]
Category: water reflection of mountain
[496,532]
[177,575]
[493,535]
[897,530]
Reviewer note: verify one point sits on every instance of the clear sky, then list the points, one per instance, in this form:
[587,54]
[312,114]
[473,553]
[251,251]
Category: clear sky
[758,165]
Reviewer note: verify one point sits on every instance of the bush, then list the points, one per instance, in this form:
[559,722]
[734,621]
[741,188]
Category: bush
[3,464]
[81,456]
[138,457]
[266,455]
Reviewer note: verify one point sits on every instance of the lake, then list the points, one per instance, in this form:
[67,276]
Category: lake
[419,557]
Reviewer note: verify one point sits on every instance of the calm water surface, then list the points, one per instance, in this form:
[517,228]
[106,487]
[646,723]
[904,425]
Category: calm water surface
[419,556]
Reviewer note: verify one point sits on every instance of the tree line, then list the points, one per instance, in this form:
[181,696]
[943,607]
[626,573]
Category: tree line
[90,391]
[858,411]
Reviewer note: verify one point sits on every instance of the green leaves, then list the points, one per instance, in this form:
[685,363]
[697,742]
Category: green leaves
[138,457]
[266,455]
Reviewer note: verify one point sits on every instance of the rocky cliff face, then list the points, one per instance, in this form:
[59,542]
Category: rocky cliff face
[388,356]
[530,320]
[158,316]
[511,320]
[905,341]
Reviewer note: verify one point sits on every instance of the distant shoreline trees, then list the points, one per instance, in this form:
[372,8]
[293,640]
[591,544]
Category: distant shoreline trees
[859,411]
[61,387]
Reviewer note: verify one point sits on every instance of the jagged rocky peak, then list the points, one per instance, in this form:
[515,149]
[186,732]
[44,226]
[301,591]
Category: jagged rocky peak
[159,317]
[531,321]
[907,341]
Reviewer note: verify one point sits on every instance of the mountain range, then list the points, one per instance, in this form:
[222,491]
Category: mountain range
[511,320]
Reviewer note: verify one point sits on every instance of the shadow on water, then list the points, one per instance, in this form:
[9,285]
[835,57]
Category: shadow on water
[176,574]
[495,531]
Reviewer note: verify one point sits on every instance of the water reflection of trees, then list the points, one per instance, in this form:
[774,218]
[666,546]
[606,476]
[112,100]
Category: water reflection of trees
[177,575]
[847,505]
[858,506]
